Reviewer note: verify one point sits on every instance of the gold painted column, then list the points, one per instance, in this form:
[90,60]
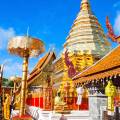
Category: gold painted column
[39,98]
[23,86]
[44,98]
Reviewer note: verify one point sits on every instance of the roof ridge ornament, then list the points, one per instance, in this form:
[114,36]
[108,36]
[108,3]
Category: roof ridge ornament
[111,33]
[71,69]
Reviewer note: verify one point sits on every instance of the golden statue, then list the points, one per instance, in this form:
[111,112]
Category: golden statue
[60,106]
[7,107]
[110,91]
[58,101]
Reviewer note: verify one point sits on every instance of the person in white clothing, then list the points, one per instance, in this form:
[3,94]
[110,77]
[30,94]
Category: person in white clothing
[80,91]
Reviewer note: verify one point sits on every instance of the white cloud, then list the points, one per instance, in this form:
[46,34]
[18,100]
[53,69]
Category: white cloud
[5,35]
[117,24]
[6,61]
[13,68]
[116,4]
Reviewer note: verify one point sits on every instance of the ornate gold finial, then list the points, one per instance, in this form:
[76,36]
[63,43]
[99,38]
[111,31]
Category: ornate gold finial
[85,5]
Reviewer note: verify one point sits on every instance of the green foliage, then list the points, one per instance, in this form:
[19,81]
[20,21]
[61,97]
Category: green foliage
[11,84]
[6,82]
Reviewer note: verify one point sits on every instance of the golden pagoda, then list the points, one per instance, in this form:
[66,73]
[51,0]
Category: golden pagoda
[87,34]
[86,44]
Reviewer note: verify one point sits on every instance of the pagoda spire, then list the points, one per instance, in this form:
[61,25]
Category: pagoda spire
[87,33]
[85,5]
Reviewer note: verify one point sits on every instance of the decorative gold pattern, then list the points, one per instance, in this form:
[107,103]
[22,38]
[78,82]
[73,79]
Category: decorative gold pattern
[108,66]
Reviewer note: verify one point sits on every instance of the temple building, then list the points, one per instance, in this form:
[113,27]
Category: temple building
[40,83]
[103,70]
[97,78]
[86,44]
[85,77]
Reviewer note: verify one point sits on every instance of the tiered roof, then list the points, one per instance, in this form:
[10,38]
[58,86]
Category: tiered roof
[42,63]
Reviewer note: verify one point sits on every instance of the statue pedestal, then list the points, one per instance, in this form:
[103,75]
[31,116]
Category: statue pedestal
[64,109]
[96,101]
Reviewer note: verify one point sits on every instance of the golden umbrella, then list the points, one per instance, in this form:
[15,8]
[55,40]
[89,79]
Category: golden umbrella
[25,47]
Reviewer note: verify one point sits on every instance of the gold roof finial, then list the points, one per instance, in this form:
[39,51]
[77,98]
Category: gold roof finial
[85,5]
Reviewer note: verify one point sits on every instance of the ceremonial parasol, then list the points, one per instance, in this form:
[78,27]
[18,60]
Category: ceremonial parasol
[25,47]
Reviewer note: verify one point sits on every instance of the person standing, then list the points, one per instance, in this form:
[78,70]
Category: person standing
[11,106]
[80,91]
[63,117]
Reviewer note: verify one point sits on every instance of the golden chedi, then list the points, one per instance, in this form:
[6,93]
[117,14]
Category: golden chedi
[86,43]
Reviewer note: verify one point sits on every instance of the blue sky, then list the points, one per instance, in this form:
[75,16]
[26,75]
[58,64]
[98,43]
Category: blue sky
[49,20]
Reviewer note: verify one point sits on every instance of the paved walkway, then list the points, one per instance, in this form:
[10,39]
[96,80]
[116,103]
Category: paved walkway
[75,115]
[38,114]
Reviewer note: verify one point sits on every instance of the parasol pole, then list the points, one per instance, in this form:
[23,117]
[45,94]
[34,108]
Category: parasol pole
[24,79]
[23,83]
